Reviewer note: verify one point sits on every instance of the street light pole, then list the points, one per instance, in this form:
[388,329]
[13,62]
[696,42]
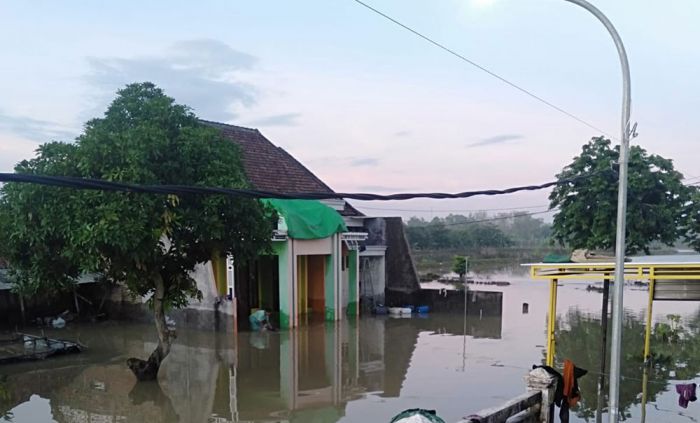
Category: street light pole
[619,285]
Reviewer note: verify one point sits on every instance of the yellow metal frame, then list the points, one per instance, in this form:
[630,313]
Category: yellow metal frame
[633,271]
[645,393]
[651,272]
[650,305]
[551,322]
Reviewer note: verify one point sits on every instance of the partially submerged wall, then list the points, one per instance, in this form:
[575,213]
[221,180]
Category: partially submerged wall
[401,275]
[479,303]
[50,304]
[211,313]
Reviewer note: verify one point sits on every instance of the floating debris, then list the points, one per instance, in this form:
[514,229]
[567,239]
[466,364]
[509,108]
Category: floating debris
[24,347]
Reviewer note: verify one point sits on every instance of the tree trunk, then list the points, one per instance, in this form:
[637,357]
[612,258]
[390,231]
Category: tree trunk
[75,300]
[107,291]
[21,309]
[148,370]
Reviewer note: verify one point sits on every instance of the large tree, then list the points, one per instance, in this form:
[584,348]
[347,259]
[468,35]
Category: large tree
[150,243]
[691,226]
[588,206]
[34,232]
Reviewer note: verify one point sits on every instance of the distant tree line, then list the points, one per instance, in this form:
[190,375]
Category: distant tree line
[661,210]
[470,232]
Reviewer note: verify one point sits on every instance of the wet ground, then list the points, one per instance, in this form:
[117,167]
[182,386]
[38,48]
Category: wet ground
[359,371]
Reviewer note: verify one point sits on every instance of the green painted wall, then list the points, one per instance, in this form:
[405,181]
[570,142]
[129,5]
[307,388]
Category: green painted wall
[330,289]
[352,280]
[281,249]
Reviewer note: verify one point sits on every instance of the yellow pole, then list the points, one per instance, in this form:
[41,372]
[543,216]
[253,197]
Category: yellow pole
[551,323]
[549,326]
[647,333]
[645,382]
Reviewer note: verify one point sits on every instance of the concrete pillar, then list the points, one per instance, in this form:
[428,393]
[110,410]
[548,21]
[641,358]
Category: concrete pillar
[338,276]
[287,282]
[354,283]
[333,309]
[330,291]
[289,365]
[540,380]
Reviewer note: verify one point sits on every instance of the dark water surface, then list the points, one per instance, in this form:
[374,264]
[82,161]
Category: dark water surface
[356,371]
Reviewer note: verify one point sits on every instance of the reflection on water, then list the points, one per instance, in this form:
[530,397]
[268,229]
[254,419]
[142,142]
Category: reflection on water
[676,358]
[355,371]
[308,375]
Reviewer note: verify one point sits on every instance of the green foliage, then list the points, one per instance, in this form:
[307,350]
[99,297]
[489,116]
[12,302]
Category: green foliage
[5,400]
[675,348]
[459,265]
[144,137]
[444,233]
[523,229]
[588,207]
[671,332]
[35,225]
[470,233]
[691,224]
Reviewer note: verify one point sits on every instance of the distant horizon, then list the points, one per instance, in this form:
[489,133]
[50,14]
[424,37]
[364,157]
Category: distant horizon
[364,104]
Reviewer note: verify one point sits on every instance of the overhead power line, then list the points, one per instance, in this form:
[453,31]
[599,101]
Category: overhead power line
[104,185]
[481,68]
[491,219]
[452,211]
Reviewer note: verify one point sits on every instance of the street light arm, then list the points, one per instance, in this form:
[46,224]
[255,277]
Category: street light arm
[624,63]
[616,343]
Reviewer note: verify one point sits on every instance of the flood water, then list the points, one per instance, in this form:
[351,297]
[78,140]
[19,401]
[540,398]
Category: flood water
[358,371]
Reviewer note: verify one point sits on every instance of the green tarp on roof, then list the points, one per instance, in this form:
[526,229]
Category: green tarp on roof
[308,219]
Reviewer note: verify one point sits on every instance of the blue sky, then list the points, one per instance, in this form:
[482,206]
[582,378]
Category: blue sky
[367,106]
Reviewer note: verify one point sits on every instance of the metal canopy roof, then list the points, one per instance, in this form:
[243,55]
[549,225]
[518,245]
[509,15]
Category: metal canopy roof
[669,280]
[658,270]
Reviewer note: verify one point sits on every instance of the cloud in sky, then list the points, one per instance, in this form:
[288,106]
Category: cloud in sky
[342,162]
[402,133]
[285,119]
[497,139]
[34,129]
[380,188]
[363,161]
[200,73]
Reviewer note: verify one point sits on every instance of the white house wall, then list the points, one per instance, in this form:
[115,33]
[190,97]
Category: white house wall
[308,247]
[203,274]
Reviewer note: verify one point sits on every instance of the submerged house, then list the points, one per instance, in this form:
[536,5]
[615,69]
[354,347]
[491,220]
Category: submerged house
[328,258]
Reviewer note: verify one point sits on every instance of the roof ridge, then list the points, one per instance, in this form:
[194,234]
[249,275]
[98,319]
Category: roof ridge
[313,175]
[213,122]
[270,167]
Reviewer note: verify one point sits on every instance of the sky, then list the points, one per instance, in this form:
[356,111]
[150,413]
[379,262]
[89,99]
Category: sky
[366,105]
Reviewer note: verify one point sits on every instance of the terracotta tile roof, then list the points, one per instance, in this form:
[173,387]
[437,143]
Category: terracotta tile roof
[271,168]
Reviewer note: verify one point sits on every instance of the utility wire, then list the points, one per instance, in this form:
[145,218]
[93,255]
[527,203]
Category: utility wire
[481,68]
[452,211]
[491,219]
[104,185]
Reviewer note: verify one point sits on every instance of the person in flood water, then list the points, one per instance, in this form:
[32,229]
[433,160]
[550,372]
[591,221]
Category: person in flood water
[260,321]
